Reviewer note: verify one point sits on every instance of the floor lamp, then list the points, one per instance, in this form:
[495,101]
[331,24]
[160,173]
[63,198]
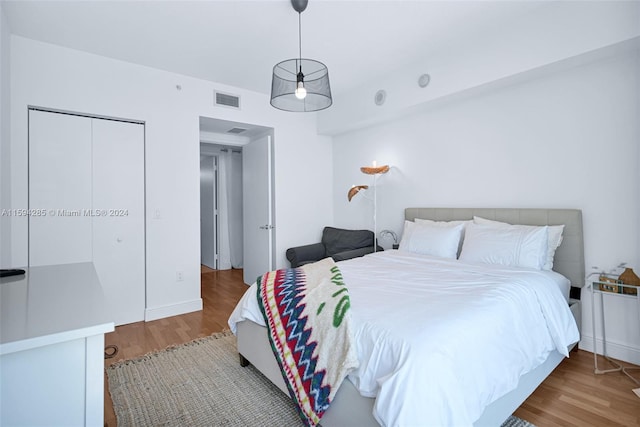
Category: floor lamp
[374,170]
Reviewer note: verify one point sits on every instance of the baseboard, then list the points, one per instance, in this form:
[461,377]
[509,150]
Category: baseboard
[618,351]
[155,313]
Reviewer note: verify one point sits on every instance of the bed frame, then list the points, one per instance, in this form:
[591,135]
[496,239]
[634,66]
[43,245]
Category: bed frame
[350,408]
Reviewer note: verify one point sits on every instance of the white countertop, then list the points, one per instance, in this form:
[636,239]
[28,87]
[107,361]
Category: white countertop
[51,304]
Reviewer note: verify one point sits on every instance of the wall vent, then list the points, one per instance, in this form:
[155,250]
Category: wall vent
[227,100]
[236,130]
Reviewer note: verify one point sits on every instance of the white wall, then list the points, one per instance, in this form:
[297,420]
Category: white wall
[569,139]
[5,147]
[54,77]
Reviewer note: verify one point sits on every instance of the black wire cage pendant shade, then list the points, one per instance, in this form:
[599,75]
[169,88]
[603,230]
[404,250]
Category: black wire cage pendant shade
[300,85]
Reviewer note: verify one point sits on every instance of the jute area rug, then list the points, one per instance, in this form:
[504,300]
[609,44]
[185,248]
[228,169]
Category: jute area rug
[201,383]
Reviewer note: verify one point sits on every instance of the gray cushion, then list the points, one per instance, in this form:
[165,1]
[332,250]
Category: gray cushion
[353,253]
[338,240]
[305,254]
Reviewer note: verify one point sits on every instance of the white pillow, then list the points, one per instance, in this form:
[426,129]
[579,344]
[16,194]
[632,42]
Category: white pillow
[428,239]
[512,246]
[553,241]
[447,224]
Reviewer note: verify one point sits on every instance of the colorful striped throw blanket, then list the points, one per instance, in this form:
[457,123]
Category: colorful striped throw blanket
[306,310]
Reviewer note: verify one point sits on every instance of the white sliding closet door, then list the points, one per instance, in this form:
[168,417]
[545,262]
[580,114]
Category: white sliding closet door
[118,236]
[59,188]
[86,195]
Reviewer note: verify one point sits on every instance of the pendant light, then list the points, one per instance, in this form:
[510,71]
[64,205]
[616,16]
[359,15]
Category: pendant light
[300,84]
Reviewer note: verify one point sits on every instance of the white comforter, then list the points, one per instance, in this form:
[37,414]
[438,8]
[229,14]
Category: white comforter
[439,340]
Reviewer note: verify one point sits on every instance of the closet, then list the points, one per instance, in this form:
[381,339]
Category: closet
[86,202]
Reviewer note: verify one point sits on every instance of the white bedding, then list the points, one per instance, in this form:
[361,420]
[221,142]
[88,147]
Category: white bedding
[439,340]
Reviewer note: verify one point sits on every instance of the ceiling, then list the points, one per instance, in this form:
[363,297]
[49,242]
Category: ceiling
[237,42]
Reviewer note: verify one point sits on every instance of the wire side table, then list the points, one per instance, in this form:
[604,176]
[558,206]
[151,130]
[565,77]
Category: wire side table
[621,289]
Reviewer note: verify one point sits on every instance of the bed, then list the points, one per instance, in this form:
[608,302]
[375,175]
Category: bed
[495,400]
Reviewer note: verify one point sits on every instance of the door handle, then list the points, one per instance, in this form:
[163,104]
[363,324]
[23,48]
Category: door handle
[266,227]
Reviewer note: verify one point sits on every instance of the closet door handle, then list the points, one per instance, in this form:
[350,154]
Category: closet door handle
[266,227]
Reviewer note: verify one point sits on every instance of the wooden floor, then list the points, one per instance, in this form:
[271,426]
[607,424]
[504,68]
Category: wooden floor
[221,290]
[571,396]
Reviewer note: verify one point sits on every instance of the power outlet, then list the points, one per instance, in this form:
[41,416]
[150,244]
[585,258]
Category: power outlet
[179,276]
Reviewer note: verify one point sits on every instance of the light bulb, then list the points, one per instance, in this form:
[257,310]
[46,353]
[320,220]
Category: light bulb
[374,163]
[300,91]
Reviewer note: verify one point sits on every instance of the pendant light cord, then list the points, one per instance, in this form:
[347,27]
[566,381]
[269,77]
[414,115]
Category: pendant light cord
[300,36]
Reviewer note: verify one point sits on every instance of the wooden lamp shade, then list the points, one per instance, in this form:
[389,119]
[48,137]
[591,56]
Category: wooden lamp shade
[354,190]
[374,170]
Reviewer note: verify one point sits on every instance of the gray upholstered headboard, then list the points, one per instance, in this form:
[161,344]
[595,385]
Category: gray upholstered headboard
[569,257]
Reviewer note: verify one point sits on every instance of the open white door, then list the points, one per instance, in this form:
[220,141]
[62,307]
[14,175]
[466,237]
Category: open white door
[257,208]
[208,183]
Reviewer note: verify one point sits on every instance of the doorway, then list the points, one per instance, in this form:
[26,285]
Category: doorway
[221,206]
[229,201]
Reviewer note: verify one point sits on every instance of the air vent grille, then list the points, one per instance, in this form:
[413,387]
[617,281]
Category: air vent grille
[236,130]
[227,100]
